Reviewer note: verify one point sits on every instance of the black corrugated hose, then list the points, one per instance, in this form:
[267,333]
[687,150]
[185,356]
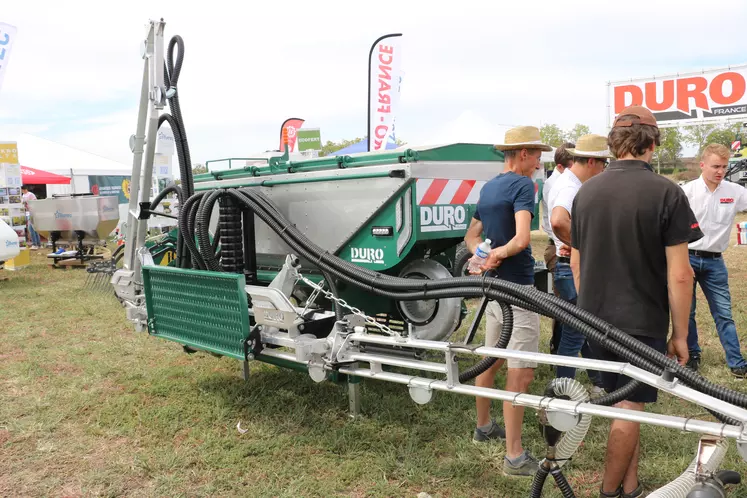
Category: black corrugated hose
[172,69]
[231,239]
[562,483]
[539,482]
[204,212]
[613,339]
[484,364]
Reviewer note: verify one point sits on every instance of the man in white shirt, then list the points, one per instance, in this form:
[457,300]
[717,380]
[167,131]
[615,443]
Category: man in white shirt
[590,157]
[715,204]
[563,160]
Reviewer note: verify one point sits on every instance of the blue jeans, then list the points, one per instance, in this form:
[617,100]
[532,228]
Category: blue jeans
[34,236]
[713,278]
[572,341]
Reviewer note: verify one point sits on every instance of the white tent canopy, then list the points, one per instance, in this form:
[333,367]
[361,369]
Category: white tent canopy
[54,157]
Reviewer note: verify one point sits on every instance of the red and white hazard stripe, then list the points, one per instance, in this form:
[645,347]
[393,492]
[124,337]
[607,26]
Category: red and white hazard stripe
[430,191]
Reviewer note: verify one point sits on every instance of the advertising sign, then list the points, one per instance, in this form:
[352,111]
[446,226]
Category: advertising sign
[384,77]
[12,209]
[309,139]
[7,37]
[293,125]
[702,97]
[111,185]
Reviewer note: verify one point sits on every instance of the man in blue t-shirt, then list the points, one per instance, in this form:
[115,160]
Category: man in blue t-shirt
[504,214]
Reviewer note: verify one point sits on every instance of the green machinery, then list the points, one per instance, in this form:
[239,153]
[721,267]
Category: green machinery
[342,267]
[401,213]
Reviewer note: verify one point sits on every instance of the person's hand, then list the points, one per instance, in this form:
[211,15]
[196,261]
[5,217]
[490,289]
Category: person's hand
[677,349]
[565,251]
[469,267]
[494,259]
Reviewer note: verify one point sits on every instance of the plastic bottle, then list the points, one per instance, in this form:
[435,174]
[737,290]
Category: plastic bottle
[481,255]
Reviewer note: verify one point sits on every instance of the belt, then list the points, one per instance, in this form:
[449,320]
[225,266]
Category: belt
[564,259]
[705,254]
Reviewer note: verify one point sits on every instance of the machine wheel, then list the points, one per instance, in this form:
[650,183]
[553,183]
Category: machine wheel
[432,319]
[461,261]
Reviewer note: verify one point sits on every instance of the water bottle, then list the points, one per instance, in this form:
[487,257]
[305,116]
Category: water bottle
[481,255]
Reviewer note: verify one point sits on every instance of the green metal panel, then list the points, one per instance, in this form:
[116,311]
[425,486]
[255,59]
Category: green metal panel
[292,180]
[278,166]
[203,309]
[382,252]
[461,152]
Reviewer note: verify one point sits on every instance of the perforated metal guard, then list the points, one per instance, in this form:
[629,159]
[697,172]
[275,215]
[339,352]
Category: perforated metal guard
[202,309]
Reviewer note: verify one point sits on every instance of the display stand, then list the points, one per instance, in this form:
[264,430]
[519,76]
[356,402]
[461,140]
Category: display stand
[12,210]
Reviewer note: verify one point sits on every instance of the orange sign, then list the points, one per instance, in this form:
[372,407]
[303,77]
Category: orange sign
[715,95]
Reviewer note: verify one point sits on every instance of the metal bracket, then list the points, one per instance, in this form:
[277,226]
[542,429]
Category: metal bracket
[144,211]
[707,446]
[452,369]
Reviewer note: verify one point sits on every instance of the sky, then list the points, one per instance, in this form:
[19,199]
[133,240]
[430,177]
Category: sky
[470,68]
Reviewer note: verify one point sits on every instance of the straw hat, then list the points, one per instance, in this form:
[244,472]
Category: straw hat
[591,146]
[523,137]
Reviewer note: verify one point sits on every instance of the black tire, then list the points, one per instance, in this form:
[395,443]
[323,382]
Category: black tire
[461,259]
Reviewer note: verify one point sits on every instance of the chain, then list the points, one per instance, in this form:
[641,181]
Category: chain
[341,302]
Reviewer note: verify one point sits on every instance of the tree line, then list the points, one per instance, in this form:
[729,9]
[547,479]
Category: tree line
[673,139]
[668,153]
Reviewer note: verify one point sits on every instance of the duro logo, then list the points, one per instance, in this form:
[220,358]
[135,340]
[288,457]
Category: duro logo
[367,255]
[11,243]
[58,215]
[442,218]
[108,209]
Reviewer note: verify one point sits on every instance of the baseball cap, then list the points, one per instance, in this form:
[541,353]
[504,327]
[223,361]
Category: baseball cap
[645,117]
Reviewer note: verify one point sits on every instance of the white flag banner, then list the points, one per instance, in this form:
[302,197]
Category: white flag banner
[7,36]
[384,76]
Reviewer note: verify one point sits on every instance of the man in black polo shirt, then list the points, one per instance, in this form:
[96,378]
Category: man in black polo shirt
[629,233]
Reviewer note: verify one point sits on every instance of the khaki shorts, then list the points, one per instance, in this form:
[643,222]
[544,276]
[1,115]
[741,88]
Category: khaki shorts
[525,336]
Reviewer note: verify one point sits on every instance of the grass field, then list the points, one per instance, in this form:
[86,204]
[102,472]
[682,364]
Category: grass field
[90,408]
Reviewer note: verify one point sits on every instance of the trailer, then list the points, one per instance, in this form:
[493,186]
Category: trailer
[341,268]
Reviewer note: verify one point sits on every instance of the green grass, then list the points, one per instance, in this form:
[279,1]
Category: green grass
[88,407]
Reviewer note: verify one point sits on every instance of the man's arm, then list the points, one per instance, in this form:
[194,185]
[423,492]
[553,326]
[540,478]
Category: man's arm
[742,198]
[680,284]
[576,268]
[561,224]
[473,238]
[518,243]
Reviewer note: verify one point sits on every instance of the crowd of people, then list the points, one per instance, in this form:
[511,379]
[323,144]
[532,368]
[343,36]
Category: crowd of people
[625,244]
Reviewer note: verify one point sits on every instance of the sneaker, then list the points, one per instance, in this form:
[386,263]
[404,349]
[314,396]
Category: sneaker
[739,372]
[495,432]
[527,466]
[614,494]
[693,363]
[637,492]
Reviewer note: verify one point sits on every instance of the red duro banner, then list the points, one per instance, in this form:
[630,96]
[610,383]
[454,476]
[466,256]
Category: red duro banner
[713,95]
